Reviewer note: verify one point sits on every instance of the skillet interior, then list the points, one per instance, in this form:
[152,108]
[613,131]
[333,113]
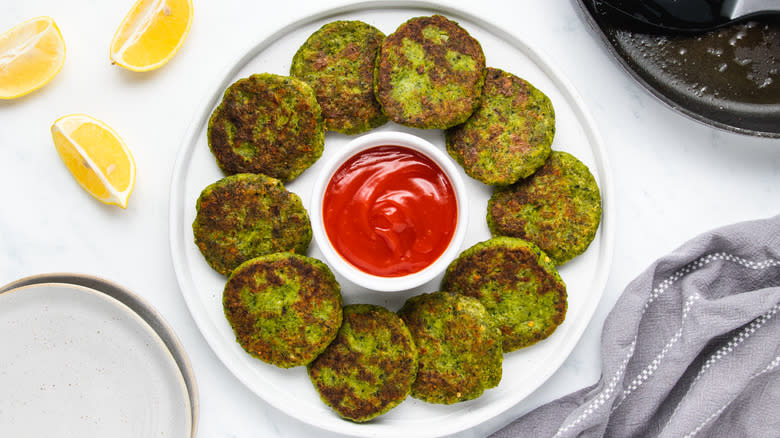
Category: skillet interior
[728,78]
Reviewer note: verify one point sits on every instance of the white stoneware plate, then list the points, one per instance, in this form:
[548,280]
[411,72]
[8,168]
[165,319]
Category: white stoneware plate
[77,362]
[289,389]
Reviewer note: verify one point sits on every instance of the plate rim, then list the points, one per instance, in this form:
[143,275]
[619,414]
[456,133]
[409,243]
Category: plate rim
[138,308]
[28,284]
[543,62]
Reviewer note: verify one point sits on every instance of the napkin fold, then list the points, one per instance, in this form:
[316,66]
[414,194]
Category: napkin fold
[691,348]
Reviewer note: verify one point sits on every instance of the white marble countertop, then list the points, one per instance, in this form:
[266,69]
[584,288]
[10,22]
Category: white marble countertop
[674,177]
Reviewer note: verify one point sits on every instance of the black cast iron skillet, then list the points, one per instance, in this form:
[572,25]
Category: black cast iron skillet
[690,15]
[728,78]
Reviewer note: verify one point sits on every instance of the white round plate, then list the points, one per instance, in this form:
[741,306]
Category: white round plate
[289,389]
[76,362]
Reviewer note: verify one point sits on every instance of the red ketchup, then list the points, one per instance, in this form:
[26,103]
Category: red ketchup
[389,211]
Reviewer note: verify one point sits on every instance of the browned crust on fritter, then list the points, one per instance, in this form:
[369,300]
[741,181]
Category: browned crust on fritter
[492,271]
[337,60]
[558,208]
[510,134]
[261,103]
[459,347]
[389,377]
[436,114]
[317,290]
[244,205]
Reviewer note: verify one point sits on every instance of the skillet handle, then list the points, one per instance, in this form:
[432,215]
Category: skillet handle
[740,8]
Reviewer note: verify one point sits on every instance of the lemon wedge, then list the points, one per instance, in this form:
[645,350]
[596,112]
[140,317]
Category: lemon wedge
[31,54]
[96,156]
[151,33]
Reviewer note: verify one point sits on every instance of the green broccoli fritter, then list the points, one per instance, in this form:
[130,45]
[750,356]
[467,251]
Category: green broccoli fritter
[429,73]
[509,136]
[370,366]
[267,124]
[516,282]
[247,215]
[284,308]
[558,208]
[459,347]
[338,62]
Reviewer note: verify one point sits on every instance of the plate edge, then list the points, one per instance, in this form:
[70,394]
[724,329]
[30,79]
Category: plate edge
[140,309]
[186,151]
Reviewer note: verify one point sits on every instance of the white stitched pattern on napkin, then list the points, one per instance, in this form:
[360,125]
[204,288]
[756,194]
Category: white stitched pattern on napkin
[723,351]
[715,414]
[647,371]
[603,395]
[650,368]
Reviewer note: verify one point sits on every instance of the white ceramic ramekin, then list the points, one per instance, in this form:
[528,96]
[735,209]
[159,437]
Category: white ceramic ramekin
[349,271]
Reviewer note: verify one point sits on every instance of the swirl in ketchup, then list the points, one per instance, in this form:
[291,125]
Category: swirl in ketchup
[390,211]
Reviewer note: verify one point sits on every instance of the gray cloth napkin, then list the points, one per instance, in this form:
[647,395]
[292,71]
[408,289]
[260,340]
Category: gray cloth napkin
[691,348]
